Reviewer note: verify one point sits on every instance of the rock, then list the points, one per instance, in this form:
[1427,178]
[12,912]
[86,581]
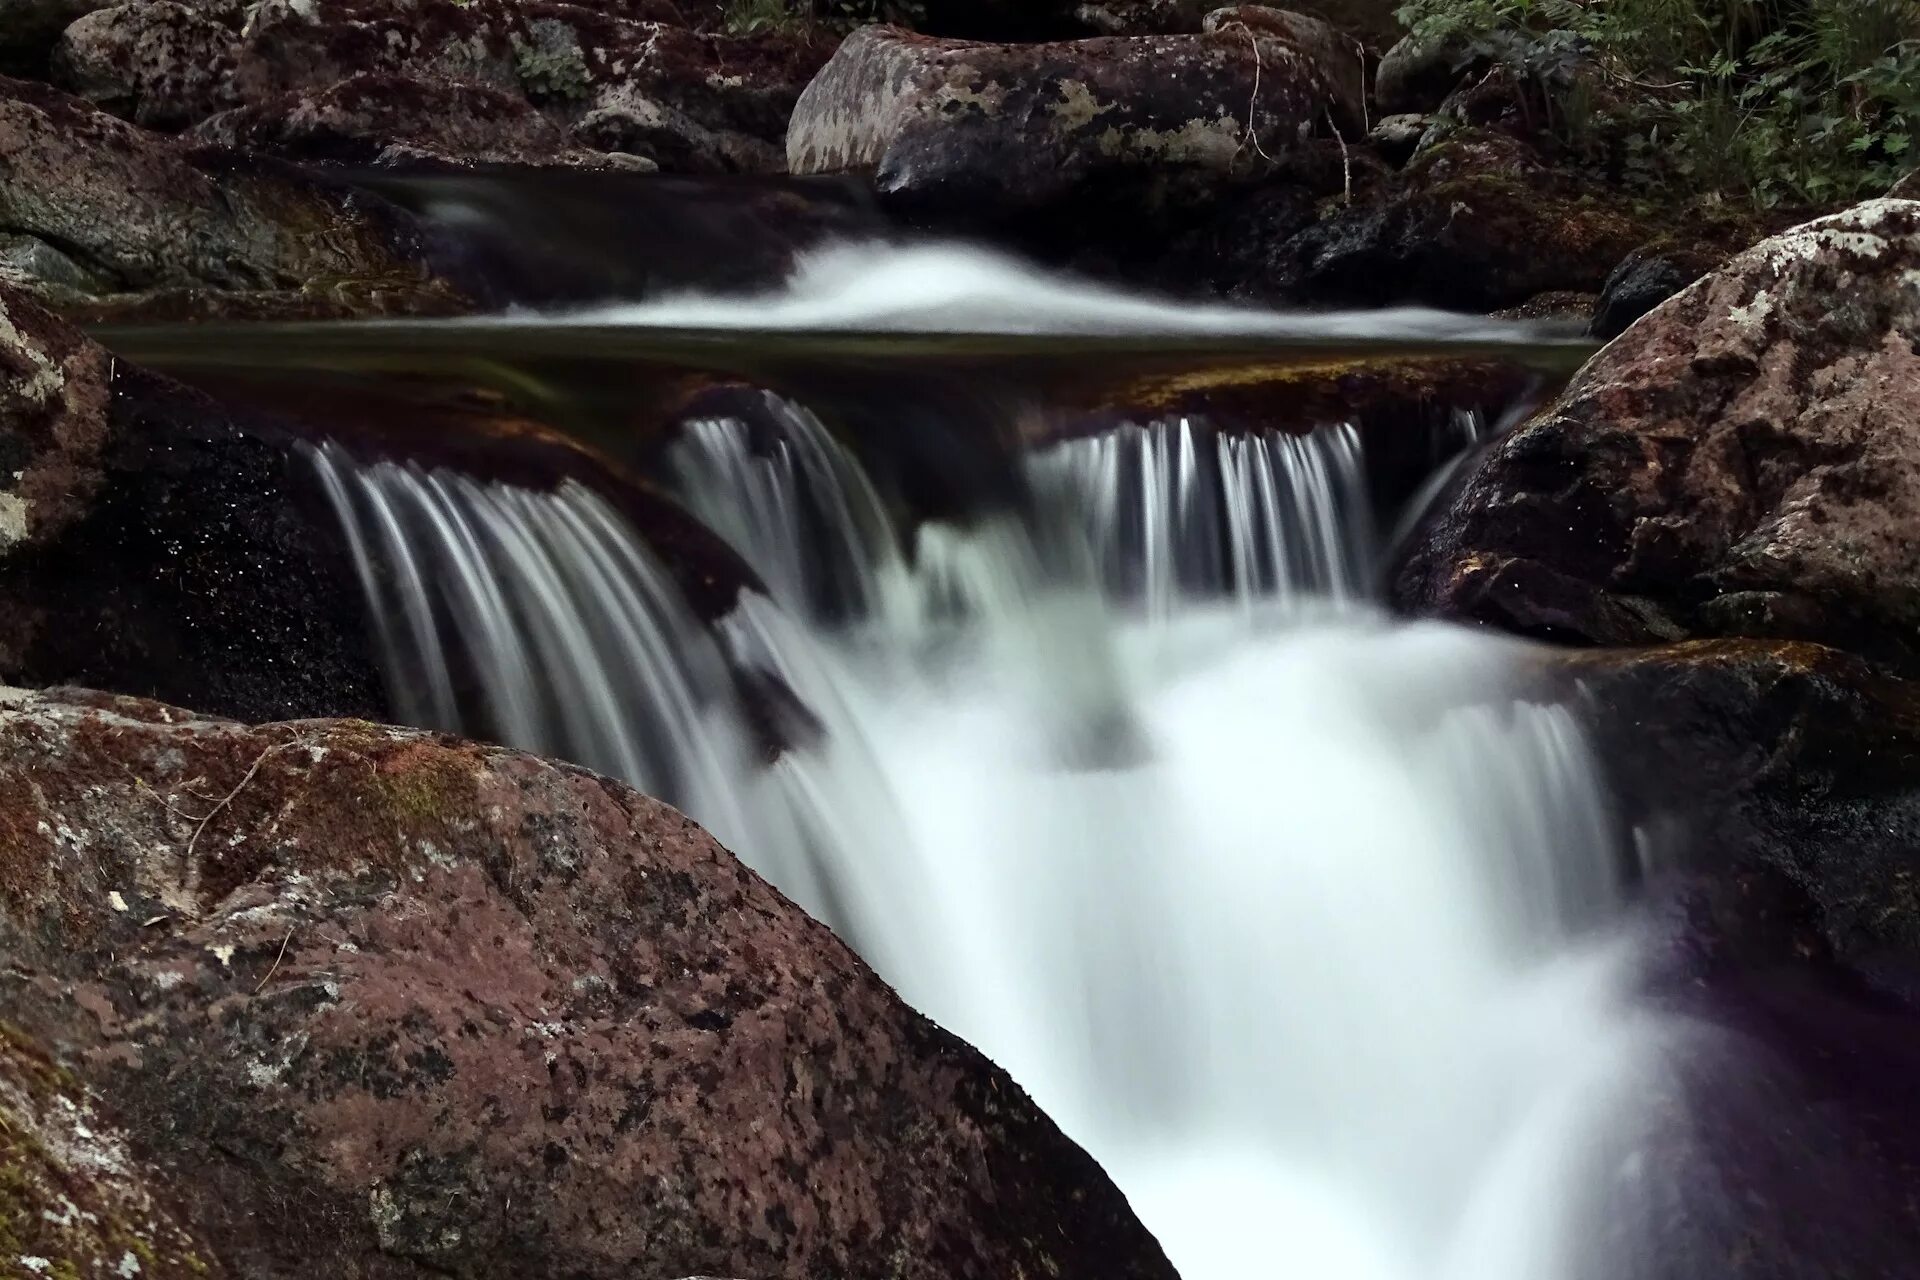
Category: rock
[1138,17]
[371,119]
[667,94]
[994,128]
[1341,58]
[156,63]
[1745,461]
[1417,73]
[400,1005]
[1775,780]
[1644,279]
[138,213]
[1461,227]
[151,541]
[74,1200]
[1396,138]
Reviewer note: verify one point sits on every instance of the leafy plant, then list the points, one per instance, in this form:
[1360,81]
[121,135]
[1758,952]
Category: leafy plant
[1804,102]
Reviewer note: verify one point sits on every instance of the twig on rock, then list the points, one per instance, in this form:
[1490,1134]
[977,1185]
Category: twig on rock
[1253,102]
[276,962]
[1346,163]
[229,797]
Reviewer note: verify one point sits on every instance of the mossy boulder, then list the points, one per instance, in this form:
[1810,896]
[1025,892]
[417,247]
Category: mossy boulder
[393,1005]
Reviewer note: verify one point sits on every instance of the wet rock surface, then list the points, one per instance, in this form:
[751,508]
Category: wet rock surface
[1775,780]
[391,1005]
[1739,463]
[1769,786]
[152,541]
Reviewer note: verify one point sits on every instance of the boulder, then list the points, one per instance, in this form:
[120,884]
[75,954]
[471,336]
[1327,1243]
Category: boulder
[1744,461]
[387,119]
[157,63]
[1341,58]
[1650,275]
[1769,787]
[138,213]
[388,71]
[1774,781]
[996,128]
[74,1199]
[391,1005]
[1461,227]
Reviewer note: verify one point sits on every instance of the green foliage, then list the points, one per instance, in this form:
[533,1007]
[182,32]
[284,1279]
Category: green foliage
[1800,102]
[747,17]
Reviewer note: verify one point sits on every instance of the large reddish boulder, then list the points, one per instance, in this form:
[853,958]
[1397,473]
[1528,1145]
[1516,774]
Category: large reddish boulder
[382,1004]
[1743,461]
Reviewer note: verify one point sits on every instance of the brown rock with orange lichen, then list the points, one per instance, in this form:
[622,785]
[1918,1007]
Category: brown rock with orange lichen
[393,1005]
[1744,461]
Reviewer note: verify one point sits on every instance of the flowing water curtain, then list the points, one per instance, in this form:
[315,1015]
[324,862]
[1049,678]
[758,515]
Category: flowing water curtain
[540,620]
[789,497]
[1175,510]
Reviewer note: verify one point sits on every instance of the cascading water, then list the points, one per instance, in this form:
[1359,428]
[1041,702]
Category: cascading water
[1288,913]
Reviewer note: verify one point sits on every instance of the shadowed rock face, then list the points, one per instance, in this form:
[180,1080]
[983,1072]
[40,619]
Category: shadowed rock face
[1744,461]
[151,541]
[987,128]
[390,1005]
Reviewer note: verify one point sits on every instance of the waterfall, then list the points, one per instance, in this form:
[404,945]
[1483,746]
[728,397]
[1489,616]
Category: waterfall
[1292,915]
[1175,510]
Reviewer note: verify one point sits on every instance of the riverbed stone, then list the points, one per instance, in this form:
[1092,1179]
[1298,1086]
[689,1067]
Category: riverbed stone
[987,127]
[157,63]
[139,213]
[1744,461]
[389,1004]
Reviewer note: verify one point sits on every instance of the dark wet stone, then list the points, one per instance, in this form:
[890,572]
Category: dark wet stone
[1741,462]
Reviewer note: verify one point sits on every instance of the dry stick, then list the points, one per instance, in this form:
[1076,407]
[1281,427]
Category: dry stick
[1346,162]
[276,962]
[1253,103]
[228,798]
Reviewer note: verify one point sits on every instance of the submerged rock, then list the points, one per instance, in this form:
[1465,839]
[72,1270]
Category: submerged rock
[982,128]
[1745,461]
[388,1004]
